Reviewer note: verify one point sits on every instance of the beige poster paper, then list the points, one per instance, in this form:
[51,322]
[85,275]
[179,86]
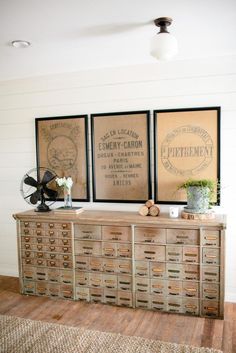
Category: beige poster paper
[62,148]
[187,147]
[121,157]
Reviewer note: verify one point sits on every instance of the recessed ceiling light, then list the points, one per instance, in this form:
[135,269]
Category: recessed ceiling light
[20,43]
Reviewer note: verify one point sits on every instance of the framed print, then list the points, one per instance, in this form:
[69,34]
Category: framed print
[121,156]
[61,145]
[186,146]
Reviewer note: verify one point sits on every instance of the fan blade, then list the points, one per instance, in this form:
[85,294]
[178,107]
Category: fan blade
[35,197]
[30,181]
[52,194]
[48,176]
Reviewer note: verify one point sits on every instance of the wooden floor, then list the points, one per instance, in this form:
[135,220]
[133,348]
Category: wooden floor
[220,334]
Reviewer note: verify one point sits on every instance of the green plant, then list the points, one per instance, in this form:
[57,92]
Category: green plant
[202,183]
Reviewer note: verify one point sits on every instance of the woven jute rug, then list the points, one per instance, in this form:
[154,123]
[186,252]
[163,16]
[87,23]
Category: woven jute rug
[19,335]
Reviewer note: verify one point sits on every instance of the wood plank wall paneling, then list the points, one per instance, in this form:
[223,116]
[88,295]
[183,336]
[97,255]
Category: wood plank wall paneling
[204,82]
[218,334]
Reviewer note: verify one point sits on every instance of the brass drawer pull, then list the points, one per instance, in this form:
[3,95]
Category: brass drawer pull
[210,273]
[157,286]
[149,252]
[190,254]
[207,290]
[39,240]
[210,308]
[65,249]
[210,256]
[64,225]
[157,270]
[190,306]
[182,236]
[174,304]
[52,241]
[52,263]
[51,225]
[38,225]
[116,233]
[108,249]
[52,248]
[65,233]
[174,253]
[51,232]
[123,266]
[27,246]
[123,282]
[26,231]
[65,241]
[39,254]
[27,239]
[52,256]
[190,289]
[26,224]
[39,262]
[28,261]
[39,247]
[65,257]
[38,232]
[66,264]
[27,253]
[210,237]
[124,250]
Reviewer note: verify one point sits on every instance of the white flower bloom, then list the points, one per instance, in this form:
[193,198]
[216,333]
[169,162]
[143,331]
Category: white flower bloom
[65,182]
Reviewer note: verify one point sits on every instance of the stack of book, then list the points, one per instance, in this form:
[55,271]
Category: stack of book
[68,210]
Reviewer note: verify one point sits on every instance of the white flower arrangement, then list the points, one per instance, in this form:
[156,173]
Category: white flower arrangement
[65,182]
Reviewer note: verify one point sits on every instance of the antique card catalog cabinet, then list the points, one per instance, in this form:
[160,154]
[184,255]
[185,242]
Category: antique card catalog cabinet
[122,258]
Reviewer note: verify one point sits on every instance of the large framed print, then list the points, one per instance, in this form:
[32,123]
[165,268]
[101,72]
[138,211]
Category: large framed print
[61,145]
[186,146]
[121,157]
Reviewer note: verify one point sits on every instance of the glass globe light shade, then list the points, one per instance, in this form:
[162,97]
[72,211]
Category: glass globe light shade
[164,46]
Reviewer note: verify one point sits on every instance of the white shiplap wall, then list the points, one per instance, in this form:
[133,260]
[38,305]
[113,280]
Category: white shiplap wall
[208,82]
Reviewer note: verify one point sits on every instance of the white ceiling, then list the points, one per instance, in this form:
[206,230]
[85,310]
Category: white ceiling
[74,35]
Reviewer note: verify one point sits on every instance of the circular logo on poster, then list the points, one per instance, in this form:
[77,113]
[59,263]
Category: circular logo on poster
[187,150]
[62,152]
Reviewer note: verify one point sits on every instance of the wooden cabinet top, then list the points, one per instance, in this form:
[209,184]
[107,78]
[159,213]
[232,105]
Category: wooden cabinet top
[121,218]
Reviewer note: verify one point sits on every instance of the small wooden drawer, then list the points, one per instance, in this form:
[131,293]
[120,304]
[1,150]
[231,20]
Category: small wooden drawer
[82,279]
[53,263]
[124,282]
[28,239]
[174,305]
[82,263]
[66,291]
[109,249]
[27,254]
[27,231]
[125,298]
[157,269]
[174,253]
[66,276]
[88,231]
[28,272]
[211,256]
[124,266]
[63,226]
[65,264]
[65,249]
[29,287]
[116,233]
[96,264]
[110,297]
[142,300]
[82,293]
[41,274]
[26,224]
[190,306]
[150,252]
[191,254]
[51,233]
[174,288]
[124,250]
[158,286]
[210,273]
[210,238]
[54,290]
[210,291]
[28,261]
[64,233]
[109,265]
[92,248]
[174,271]
[210,308]
[41,288]
[64,242]
[191,272]
[183,236]
[150,235]
[158,302]
[52,255]
[190,289]
[96,295]
[53,275]
[110,281]
[39,232]
[95,280]
[142,285]
[53,241]
[142,268]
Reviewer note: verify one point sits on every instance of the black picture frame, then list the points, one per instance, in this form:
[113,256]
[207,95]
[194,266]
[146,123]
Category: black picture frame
[212,144]
[137,124]
[62,146]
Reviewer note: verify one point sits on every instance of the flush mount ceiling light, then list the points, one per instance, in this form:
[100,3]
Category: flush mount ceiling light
[20,43]
[164,45]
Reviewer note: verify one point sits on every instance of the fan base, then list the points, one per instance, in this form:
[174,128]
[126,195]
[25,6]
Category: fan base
[42,208]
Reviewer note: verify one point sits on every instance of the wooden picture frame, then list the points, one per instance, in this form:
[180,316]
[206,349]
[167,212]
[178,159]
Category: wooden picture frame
[186,146]
[121,157]
[62,146]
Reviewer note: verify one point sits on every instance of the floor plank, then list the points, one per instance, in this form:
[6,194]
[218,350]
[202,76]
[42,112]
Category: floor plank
[220,334]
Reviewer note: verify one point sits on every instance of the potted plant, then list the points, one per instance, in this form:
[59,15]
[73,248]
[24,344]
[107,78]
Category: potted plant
[200,194]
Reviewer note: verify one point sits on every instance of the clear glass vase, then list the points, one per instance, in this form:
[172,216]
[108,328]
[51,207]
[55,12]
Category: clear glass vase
[67,198]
